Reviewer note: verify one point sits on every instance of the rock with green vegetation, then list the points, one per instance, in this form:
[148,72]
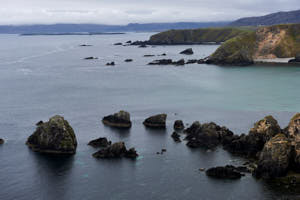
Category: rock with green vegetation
[55,136]
[274,159]
[195,36]
[116,150]
[119,120]
[156,121]
[1,141]
[271,42]
[100,142]
[293,132]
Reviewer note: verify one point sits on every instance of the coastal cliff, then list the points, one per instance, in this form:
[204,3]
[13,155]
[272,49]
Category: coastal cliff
[196,36]
[271,42]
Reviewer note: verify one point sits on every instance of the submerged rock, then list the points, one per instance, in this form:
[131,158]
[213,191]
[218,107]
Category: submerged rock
[116,150]
[90,58]
[192,61]
[149,55]
[178,125]
[156,121]
[227,172]
[179,62]
[1,141]
[118,44]
[120,120]
[188,51]
[128,60]
[128,42]
[100,142]
[176,137]
[110,64]
[143,46]
[85,45]
[161,62]
[55,136]
[274,159]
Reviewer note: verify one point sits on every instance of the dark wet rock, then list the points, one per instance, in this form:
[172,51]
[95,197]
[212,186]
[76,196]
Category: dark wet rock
[148,55]
[176,137]
[100,142]
[110,64]
[188,51]
[162,62]
[274,159]
[119,120]
[250,145]
[118,44]
[227,172]
[143,46]
[192,61]
[163,150]
[296,59]
[208,135]
[128,60]
[90,58]
[128,42]
[201,61]
[1,141]
[85,45]
[138,43]
[178,125]
[163,54]
[179,62]
[156,121]
[55,136]
[116,150]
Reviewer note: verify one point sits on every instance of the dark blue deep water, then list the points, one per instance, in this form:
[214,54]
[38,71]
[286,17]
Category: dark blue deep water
[41,76]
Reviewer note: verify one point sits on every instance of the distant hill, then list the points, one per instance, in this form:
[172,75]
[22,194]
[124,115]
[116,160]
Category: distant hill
[271,19]
[100,28]
[196,36]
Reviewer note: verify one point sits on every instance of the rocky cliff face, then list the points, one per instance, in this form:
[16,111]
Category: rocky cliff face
[280,41]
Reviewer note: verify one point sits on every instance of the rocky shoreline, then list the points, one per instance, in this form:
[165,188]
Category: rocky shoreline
[273,153]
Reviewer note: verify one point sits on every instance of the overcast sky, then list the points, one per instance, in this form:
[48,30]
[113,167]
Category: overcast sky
[135,11]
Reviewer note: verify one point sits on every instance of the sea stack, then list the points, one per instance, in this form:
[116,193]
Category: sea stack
[55,136]
[156,121]
[119,120]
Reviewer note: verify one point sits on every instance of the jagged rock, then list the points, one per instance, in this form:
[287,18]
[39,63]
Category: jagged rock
[118,44]
[176,137]
[293,132]
[119,120]
[178,125]
[179,62]
[100,142]
[110,64]
[227,172]
[90,58]
[208,135]
[188,51]
[274,159]
[128,60]
[1,141]
[194,128]
[55,136]
[156,121]
[251,144]
[116,150]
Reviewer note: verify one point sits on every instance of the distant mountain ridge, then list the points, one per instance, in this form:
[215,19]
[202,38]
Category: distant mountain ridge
[100,28]
[271,19]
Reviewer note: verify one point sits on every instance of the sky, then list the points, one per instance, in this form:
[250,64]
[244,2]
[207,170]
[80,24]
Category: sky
[18,12]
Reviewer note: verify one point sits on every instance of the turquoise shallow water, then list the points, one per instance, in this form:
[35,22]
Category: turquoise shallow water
[41,76]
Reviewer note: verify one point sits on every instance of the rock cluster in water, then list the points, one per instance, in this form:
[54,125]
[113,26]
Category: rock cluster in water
[119,120]
[116,150]
[55,136]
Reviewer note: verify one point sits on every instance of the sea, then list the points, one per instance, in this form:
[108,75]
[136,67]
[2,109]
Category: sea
[46,75]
